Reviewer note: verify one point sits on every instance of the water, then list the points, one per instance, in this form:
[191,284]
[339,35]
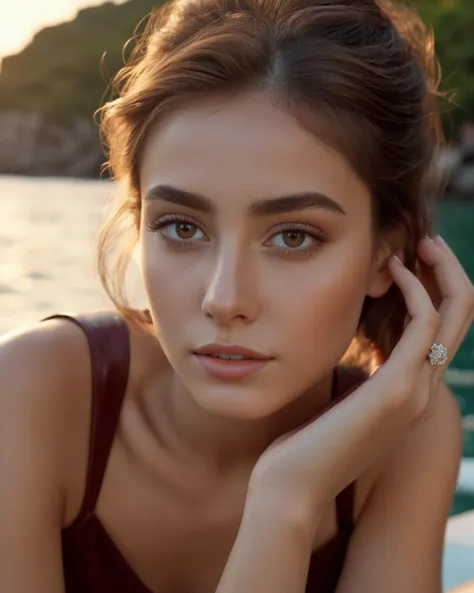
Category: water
[48,246]
[48,237]
[455,221]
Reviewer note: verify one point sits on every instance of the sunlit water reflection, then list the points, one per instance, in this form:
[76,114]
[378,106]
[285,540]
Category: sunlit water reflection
[48,247]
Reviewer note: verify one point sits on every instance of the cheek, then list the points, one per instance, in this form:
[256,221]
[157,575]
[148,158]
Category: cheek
[325,309]
[169,289]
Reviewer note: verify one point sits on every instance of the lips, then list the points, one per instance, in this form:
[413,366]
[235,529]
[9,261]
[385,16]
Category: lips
[230,350]
[230,362]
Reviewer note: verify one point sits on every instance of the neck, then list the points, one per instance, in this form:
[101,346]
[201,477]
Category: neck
[218,443]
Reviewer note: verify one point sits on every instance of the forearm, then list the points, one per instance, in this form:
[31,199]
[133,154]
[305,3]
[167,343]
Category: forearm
[271,553]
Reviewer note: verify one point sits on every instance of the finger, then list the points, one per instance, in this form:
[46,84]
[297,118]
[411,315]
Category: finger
[450,320]
[456,319]
[410,352]
[451,277]
[435,373]
[456,309]
[466,296]
[427,277]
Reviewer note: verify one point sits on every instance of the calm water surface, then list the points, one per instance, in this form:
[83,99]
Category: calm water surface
[48,246]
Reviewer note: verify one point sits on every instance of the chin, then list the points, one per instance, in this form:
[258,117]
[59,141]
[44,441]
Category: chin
[238,402]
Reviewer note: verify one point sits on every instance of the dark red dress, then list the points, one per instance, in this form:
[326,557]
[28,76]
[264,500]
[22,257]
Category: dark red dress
[92,561]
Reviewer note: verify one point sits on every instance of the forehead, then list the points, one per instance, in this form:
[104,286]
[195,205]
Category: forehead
[243,148]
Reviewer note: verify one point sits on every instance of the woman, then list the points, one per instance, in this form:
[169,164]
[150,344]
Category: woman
[277,156]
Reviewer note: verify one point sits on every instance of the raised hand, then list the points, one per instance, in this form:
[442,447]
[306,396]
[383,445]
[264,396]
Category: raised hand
[309,466]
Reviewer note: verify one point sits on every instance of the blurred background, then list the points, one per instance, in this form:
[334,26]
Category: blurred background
[53,77]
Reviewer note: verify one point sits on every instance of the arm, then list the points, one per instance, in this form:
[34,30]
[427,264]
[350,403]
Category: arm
[34,415]
[271,553]
[273,547]
[399,539]
[398,543]
[403,413]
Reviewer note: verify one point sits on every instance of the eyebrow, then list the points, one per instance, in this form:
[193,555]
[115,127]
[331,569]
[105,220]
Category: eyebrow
[260,208]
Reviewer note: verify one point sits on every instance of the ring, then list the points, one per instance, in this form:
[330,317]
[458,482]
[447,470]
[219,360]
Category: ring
[438,354]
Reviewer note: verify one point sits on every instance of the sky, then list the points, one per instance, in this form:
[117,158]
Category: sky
[21,19]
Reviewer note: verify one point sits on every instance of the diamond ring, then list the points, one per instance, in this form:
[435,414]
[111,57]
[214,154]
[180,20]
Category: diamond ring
[438,354]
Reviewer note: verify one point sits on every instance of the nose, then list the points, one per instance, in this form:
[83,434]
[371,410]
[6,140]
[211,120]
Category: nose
[232,291]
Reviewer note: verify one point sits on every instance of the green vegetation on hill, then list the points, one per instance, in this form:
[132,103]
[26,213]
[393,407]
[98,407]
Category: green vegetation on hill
[59,73]
[453,25]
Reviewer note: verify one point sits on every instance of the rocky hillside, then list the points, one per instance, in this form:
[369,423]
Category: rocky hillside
[49,91]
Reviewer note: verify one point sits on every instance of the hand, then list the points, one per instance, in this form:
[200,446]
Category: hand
[307,468]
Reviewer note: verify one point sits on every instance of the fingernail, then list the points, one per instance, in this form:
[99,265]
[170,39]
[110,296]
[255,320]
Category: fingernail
[428,238]
[397,259]
[439,239]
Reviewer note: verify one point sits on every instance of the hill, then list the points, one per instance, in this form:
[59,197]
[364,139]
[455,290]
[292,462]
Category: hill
[59,72]
[50,91]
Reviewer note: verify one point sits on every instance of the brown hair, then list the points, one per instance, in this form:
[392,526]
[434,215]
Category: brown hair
[360,74]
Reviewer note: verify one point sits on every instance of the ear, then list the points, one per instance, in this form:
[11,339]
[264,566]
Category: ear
[380,279]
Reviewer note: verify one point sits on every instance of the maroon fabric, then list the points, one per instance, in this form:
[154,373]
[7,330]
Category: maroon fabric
[92,562]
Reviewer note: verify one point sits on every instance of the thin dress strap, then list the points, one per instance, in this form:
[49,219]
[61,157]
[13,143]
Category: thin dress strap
[109,344]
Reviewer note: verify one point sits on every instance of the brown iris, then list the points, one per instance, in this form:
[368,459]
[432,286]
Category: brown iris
[293,239]
[185,230]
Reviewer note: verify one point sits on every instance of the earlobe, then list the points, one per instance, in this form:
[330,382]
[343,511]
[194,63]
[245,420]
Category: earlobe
[390,243]
[381,279]
[380,284]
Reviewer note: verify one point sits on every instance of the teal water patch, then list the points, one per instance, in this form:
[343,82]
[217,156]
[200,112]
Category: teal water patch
[465,395]
[462,503]
[454,221]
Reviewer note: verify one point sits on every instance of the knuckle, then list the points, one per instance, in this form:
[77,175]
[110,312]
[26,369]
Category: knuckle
[466,301]
[433,320]
[412,400]
[401,393]
[420,405]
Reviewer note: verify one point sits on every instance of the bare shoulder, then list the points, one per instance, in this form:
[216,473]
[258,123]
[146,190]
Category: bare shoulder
[51,350]
[433,445]
[436,438]
[45,382]
[45,397]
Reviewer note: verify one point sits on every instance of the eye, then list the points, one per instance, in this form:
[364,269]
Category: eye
[293,239]
[296,238]
[182,231]
[177,230]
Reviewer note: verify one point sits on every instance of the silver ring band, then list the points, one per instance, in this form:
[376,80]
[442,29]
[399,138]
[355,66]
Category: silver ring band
[438,354]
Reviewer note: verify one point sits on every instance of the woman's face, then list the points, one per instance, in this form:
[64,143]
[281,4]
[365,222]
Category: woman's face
[253,234]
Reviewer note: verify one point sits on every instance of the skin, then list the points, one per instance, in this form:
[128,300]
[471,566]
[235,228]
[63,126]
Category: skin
[238,280]
[175,490]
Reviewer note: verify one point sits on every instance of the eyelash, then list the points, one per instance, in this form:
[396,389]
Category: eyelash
[304,228]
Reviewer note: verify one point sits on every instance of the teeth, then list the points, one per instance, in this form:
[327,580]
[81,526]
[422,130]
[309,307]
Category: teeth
[229,356]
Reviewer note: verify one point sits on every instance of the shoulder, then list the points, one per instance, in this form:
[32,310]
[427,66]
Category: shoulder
[41,348]
[426,456]
[431,449]
[399,536]
[435,441]
[45,398]
[419,474]
[41,364]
